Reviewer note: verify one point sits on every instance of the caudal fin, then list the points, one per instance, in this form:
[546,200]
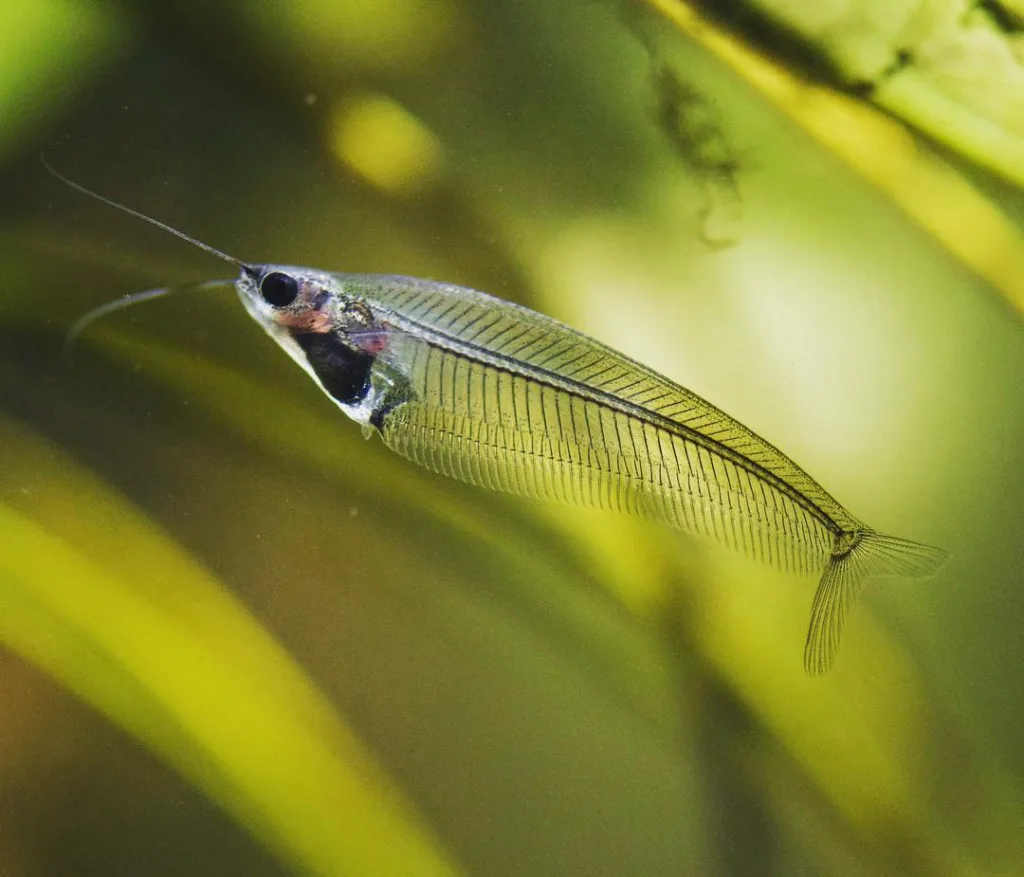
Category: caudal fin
[871,555]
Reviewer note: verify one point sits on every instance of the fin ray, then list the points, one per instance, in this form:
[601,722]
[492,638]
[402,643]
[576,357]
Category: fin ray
[871,555]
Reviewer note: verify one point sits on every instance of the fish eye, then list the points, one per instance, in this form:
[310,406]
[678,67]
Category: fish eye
[278,289]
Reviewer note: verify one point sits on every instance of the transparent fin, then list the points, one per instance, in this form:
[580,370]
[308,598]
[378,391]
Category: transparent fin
[871,555]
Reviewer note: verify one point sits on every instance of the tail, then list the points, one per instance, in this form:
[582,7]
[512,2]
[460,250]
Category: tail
[858,556]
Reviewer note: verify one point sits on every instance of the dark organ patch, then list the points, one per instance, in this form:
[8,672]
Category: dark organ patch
[344,372]
[381,411]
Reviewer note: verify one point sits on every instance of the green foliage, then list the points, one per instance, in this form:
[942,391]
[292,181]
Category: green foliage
[376,671]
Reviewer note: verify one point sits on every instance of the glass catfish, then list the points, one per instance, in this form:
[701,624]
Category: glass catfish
[496,395]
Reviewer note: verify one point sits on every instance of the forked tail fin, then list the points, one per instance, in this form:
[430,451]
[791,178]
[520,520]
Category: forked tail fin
[857,557]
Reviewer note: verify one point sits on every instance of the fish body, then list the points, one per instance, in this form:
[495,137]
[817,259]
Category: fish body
[497,395]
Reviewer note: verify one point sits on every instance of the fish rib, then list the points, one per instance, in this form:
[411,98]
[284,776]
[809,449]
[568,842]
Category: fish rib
[577,450]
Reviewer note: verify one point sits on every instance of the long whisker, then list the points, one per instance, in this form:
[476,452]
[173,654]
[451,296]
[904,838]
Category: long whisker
[88,318]
[110,202]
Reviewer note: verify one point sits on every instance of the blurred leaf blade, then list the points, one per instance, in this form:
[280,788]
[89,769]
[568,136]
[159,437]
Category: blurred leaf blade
[952,70]
[941,201]
[174,660]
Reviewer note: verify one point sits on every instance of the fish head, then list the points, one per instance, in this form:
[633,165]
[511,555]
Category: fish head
[291,301]
[323,324]
[288,299]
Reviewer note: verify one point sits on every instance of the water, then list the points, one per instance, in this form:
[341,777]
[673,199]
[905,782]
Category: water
[552,690]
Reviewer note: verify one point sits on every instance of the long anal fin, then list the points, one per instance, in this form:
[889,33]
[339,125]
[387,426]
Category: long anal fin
[858,556]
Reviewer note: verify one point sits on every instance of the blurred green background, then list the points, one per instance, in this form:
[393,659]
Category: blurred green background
[239,639]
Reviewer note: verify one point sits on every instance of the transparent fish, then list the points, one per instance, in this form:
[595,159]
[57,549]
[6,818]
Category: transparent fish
[497,395]
[491,393]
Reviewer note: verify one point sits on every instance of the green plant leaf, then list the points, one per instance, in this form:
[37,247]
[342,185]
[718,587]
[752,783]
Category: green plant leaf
[124,619]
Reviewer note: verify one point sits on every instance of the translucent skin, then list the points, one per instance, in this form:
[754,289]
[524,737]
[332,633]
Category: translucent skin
[496,395]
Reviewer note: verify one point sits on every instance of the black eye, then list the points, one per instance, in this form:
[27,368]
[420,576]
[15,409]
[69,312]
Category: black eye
[279,289]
